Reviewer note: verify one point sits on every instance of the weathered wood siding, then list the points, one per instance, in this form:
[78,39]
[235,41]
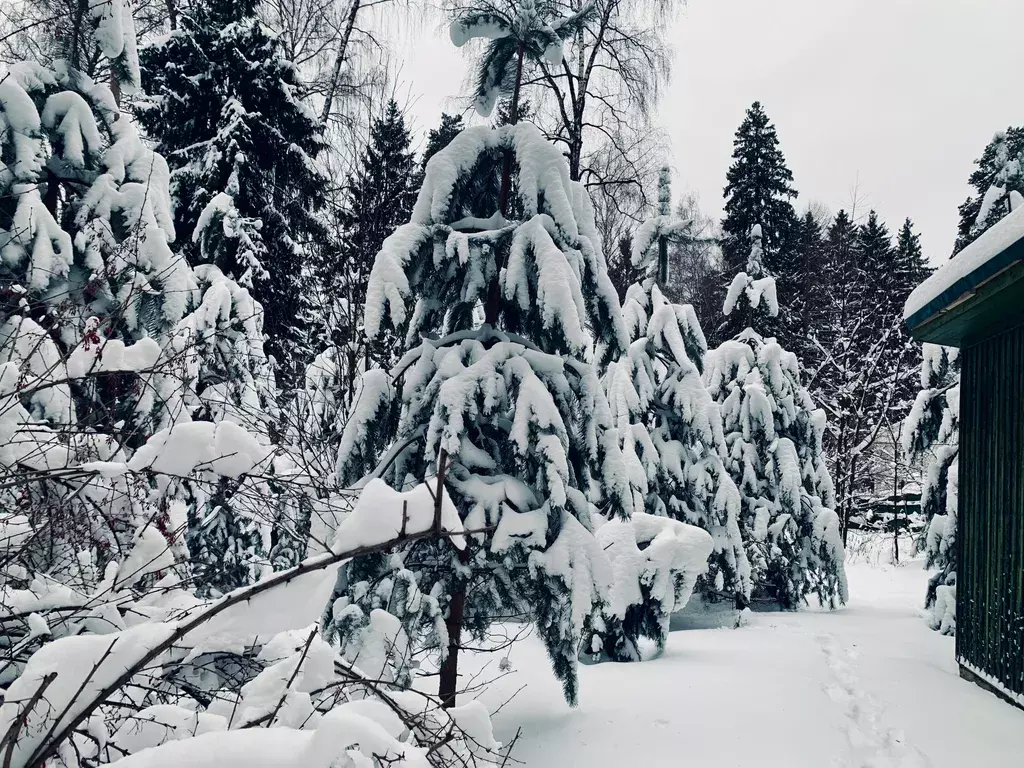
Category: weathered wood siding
[990,576]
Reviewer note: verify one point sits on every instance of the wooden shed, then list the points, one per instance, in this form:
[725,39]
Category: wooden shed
[976,302]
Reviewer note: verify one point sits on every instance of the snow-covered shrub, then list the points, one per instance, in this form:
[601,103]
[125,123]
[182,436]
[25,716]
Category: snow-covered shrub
[942,612]
[143,673]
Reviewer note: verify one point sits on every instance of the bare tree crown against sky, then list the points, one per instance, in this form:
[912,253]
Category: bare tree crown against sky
[874,94]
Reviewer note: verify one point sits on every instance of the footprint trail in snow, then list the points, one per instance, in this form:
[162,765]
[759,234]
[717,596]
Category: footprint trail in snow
[871,743]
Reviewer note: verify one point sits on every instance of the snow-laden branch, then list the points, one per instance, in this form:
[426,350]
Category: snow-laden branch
[91,669]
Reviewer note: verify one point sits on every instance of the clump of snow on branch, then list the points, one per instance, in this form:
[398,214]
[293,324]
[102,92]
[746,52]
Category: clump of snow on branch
[222,448]
[382,514]
[751,284]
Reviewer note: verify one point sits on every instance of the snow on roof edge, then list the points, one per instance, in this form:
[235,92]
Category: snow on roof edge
[996,240]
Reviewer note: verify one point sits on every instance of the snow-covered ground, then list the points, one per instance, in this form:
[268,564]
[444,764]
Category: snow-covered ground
[867,686]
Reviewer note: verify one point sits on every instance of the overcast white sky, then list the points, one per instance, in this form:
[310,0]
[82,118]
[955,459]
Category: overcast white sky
[895,96]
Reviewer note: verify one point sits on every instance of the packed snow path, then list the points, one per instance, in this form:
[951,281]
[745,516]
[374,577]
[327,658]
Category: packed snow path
[868,686]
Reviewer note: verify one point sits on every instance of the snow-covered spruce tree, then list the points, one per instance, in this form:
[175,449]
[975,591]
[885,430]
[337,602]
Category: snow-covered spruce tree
[671,435]
[670,428]
[89,291]
[514,408]
[931,435]
[751,297]
[773,439]
[378,198]
[498,391]
[127,339]
[241,149]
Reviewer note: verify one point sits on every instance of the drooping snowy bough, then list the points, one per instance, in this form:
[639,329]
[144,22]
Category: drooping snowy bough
[656,562]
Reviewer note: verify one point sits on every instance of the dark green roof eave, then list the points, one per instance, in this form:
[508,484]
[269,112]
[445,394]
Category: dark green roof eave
[962,289]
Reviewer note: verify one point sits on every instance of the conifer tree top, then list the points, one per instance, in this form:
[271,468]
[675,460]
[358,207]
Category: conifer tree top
[555,288]
[758,190]
[748,289]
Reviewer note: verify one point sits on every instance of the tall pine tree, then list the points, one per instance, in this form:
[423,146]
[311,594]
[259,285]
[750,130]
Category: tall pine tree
[804,288]
[759,191]
[909,264]
[241,149]
[874,244]
[378,198]
[909,268]
[437,139]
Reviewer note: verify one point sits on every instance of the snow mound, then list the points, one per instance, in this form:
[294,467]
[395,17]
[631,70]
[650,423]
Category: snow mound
[382,514]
